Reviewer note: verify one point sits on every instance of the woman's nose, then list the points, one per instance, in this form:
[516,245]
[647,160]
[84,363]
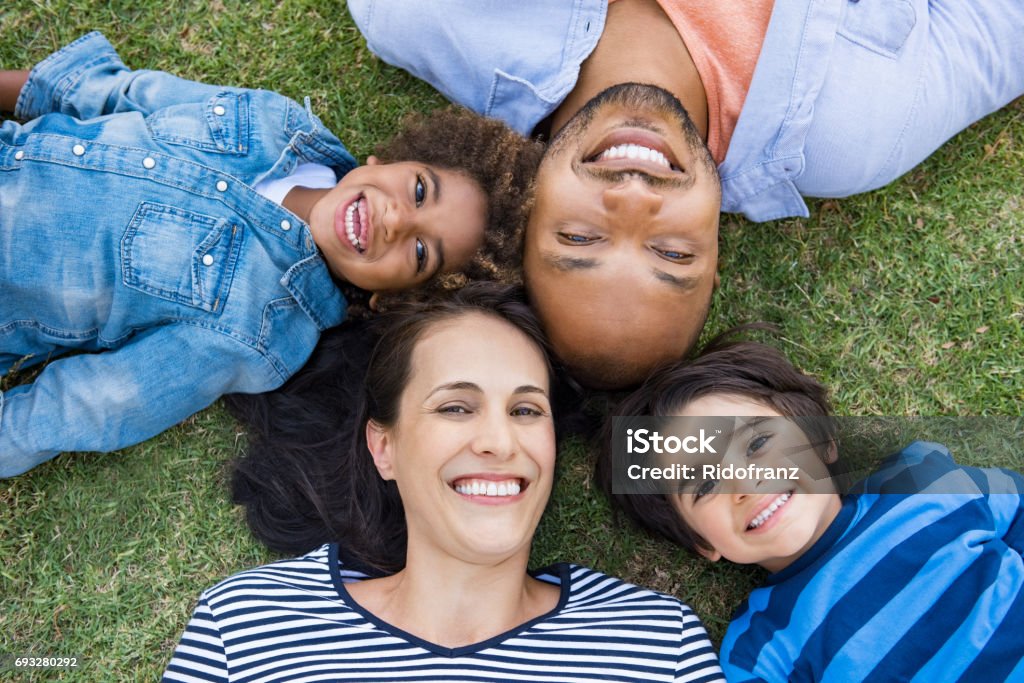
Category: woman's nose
[495,438]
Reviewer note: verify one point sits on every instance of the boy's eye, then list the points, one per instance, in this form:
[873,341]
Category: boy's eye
[421,190]
[421,256]
[704,488]
[757,443]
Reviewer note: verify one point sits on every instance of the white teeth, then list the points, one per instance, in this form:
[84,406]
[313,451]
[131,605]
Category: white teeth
[489,488]
[769,511]
[350,229]
[632,151]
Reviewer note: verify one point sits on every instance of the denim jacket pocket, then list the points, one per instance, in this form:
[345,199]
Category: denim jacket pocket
[181,256]
[220,124]
[881,26]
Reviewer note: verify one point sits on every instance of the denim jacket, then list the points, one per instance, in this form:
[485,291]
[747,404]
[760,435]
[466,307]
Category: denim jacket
[847,95]
[129,230]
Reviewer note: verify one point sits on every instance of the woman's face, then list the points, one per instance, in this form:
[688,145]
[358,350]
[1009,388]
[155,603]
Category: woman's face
[473,448]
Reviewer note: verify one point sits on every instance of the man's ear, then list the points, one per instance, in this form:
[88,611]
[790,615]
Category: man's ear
[378,440]
[372,161]
[718,281]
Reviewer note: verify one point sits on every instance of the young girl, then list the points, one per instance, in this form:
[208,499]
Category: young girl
[187,240]
[439,496]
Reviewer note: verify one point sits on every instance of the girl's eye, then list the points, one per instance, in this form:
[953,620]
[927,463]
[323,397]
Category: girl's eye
[706,487]
[421,256]
[421,190]
[576,238]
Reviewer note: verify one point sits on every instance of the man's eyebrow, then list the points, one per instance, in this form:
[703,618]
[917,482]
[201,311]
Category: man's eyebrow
[436,182]
[683,283]
[568,263]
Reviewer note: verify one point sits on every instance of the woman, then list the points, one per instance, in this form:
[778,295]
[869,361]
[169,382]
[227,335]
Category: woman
[447,483]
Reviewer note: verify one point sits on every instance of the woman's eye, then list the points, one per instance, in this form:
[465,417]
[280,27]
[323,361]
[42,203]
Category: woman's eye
[527,411]
[575,238]
[454,409]
[421,256]
[421,190]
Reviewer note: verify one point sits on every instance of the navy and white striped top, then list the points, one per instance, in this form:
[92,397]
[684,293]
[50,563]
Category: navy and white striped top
[902,586]
[294,621]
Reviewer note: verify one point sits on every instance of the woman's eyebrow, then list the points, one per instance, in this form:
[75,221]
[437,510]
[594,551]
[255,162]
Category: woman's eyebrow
[455,386]
[529,389]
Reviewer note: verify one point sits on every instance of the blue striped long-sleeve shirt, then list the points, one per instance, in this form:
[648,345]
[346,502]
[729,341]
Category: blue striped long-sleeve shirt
[902,586]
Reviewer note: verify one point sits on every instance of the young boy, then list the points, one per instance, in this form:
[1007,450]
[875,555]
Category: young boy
[916,574]
[187,240]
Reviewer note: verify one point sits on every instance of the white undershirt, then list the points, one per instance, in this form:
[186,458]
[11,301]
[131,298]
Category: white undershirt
[316,176]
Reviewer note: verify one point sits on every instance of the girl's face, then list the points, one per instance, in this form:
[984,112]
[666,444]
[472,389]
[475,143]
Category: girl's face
[389,227]
[770,522]
[473,448]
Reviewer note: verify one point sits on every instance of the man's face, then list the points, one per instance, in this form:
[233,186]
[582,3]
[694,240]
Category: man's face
[622,244]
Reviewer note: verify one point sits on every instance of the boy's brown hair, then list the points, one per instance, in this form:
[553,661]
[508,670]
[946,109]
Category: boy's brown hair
[725,366]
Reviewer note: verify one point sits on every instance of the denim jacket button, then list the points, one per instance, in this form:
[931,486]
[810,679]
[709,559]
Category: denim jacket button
[149,162]
[219,110]
[222,185]
[78,150]
[286,225]
[19,155]
[207,260]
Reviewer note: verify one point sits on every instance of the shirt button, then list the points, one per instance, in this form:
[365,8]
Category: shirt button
[222,185]
[207,260]
[19,155]
[78,150]
[286,225]
[219,110]
[149,162]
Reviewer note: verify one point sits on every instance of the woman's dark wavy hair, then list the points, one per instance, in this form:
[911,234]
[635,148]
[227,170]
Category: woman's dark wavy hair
[307,477]
[726,365]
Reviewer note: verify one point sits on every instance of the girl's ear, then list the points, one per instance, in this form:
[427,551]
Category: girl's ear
[378,440]
[372,161]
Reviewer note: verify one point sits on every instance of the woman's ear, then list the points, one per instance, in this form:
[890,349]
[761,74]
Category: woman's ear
[378,440]
[712,555]
[832,452]
[374,301]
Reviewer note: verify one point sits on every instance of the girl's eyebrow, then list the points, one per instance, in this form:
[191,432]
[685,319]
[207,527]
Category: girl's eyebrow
[436,182]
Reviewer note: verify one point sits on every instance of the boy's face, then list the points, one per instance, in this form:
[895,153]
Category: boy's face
[389,227]
[769,522]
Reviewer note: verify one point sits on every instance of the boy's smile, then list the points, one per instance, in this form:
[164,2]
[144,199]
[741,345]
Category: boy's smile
[767,522]
[389,227]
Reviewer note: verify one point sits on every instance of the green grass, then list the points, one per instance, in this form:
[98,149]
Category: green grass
[907,301]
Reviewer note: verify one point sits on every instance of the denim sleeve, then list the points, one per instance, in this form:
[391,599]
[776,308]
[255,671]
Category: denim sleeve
[113,399]
[86,79]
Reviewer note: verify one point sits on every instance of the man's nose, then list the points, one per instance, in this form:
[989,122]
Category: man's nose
[632,196]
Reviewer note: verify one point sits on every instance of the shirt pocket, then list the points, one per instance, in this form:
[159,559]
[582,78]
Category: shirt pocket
[881,26]
[180,256]
[220,124]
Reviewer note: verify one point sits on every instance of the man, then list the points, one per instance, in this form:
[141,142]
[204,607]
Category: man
[810,97]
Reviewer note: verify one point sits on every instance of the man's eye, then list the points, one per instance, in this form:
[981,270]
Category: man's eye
[421,190]
[576,238]
[421,256]
[673,255]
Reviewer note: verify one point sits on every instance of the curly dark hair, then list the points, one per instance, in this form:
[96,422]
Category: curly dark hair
[502,162]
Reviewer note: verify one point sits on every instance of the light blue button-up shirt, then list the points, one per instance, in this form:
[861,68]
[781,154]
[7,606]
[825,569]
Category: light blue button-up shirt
[129,230]
[847,95]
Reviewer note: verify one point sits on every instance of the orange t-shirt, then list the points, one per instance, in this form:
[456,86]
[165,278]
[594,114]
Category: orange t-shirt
[724,39]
